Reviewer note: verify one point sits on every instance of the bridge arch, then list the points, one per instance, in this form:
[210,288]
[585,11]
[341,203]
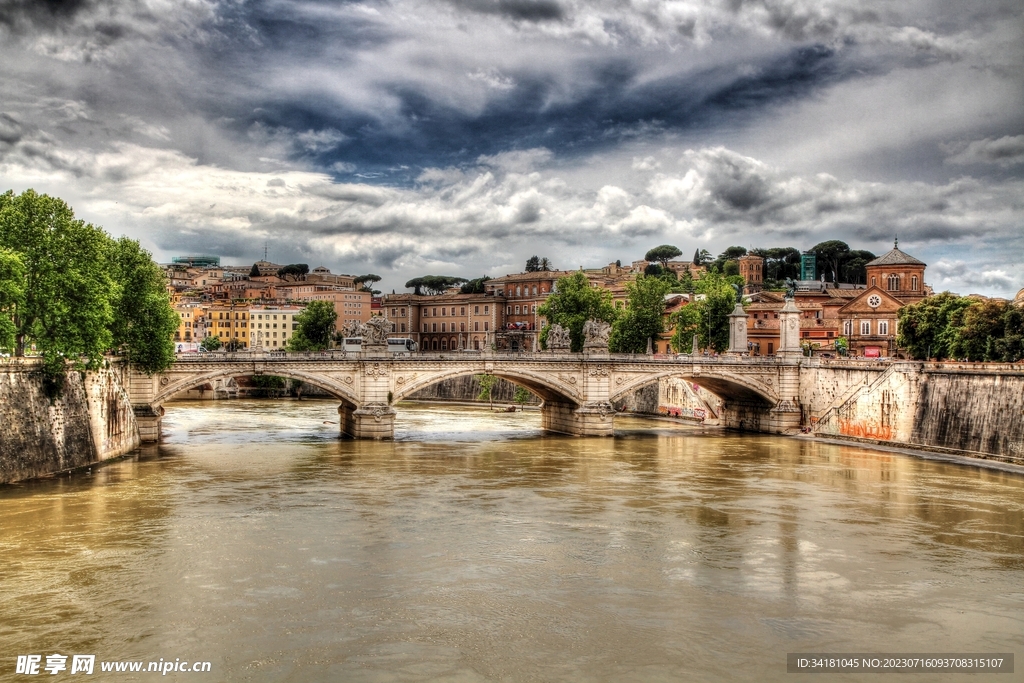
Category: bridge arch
[725,385]
[335,389]
[550,390]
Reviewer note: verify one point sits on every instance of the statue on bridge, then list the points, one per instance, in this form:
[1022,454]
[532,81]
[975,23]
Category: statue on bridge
[790,288]
[353,328]
[595,334]
[558,338]
[376,331]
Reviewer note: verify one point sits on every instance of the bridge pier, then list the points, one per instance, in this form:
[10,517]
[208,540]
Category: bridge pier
[591,419]
[148,418]
[371,421]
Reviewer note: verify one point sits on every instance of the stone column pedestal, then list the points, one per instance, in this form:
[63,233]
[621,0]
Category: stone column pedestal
[738,330]
[592,419]
[148,419]
[789,331]
[371,421]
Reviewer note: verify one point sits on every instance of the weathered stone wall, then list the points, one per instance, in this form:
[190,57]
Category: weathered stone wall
[90,421]
[974,410]
[643,401]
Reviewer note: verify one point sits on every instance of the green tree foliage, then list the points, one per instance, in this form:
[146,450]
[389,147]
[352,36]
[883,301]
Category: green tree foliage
[366,282]
[487,383]
[643,318]
[708,317]
[662,254]
[66,310]
[545,264]
[315,327]
[572,303]
[12,296]
[522,396]
[853,268]
[254,271]
[144,320]
[653,269]
[434,284]
[977,329]
[926,328]
[293,271]
[780,263]
[731,268]
[1010,348]
[730,254]
[830,257]
[475,286]
[211,343]
[842,346]
[533,264]
[76,292]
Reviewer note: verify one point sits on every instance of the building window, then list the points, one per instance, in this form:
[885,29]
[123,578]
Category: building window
[913,283]
[403,327]
[865,327]
[462,327]
[509,310]
[533,308]
[476,326]
[434,312]
[847,327]
[894,283]
[883,327]
[444,344]
[873,281]
[535,290]
[517,310]
[487,309]
[518,291]
[443,327]
[433,327]
[424,327]
[486,326]
[476,310]
[462,310]
[444,311]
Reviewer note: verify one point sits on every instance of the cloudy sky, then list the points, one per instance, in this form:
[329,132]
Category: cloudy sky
[459,137]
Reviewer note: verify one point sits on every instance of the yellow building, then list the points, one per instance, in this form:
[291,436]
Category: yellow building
[270,327]
[186,324]
[229,323]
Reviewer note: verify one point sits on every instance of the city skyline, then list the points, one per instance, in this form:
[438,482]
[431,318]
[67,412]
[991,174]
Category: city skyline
[460,138]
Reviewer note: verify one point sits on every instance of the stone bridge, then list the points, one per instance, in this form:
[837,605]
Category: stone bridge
[577,390]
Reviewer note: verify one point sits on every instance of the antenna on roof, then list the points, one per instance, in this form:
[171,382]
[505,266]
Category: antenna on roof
[896,242]
[265,250]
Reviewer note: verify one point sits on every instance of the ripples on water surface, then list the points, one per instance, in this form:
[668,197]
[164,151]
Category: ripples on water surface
[474,548]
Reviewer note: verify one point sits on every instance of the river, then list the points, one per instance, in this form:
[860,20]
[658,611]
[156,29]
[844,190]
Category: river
[476,548]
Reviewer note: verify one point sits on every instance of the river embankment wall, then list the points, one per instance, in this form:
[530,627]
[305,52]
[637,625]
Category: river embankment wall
[968,409]
[43,432]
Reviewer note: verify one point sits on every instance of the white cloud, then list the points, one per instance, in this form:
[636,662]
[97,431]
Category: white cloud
[1006,151]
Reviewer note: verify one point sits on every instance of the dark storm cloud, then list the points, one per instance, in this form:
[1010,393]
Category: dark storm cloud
[520,10]
[29,15]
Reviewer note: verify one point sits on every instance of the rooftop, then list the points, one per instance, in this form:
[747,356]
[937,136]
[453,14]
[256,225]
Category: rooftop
[895,257]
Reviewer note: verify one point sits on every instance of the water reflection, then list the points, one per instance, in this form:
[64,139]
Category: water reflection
[474,547]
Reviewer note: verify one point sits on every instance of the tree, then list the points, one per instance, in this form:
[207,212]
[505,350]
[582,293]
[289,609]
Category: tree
[545,264]
[980,325]
[662,254]
[144,319]
[293,271]
[1010,348]
[486,388]
[12,296]
[66,308]
[926,328]
[533,264]
[842,346]
[434,284]
[475,286]
[653,269]
[522,396]
[780,263]
[572,303]
[211,343]
[707,315]
[254,271]
[830,256]
[853,269]
[365,282]
[730,254]
[643,317]
[315,327]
